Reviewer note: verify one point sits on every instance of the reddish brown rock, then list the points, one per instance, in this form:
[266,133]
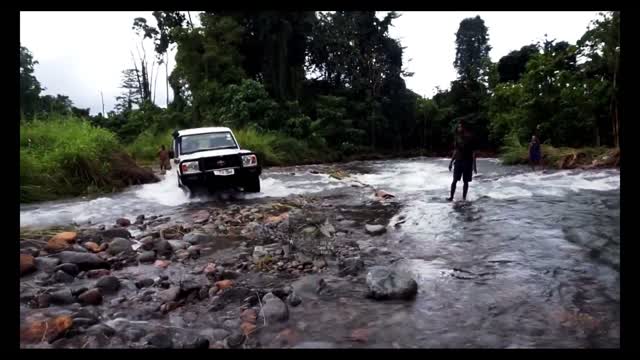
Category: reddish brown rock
[163,264]
[27,264]
[91,246]
[91,297]
[247,328]
[360,335]
[249,316]
[224,284]
[61,241]
[45,330]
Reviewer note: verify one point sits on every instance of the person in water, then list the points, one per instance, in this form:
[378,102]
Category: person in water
[163,155]
[535,155]
[463,160]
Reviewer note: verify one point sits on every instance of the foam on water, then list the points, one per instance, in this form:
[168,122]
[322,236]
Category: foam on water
[403,178]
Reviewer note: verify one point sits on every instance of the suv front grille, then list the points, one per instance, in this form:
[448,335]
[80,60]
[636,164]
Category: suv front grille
[221,162]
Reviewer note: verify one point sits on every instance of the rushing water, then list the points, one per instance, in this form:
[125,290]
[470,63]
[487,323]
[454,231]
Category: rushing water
[532,260]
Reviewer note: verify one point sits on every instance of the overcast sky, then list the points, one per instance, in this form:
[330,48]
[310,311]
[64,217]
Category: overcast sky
[81,54]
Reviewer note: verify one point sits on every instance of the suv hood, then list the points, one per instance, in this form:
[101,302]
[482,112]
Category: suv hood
[212,153]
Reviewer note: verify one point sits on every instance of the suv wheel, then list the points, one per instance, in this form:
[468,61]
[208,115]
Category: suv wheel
[252,184]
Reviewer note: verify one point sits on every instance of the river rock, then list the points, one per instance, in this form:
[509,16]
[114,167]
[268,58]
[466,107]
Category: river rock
[91,297]
[71,269]
[62,277]
[315,345]
[160,341]
[97,273]
[293,299]
[124,222]
[196,238]
[350,266]
[119,245]
[375,229]
[386,283]
[115,233]
[91,246]
[249,315]
[62,297]
[162,247]
[27,264]
[45,330]
[182,254]
[139,219]
[200,217]
[85,261]
[101,330]
[170,294]
[147,257]
[197,343]
[61,241]
[46,263]
[108,284]
[178,244]
[78,248]
[143,283]
[274,309]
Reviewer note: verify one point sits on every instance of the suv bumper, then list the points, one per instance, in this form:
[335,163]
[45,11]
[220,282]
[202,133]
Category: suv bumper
[208,178]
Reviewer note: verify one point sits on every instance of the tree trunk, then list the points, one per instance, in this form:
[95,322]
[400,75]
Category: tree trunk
[166,73]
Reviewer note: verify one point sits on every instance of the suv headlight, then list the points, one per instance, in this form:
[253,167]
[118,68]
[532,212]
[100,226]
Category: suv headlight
[189,167]
[249,160]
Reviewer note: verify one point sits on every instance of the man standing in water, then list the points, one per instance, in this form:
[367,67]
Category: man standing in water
[163,154]
[535,155]
[463,160]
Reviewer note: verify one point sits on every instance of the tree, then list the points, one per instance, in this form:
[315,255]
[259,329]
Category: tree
[601,46]
[30,87]
[472,50]
[513,65]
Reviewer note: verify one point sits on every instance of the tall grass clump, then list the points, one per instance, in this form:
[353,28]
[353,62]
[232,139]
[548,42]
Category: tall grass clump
[63,156]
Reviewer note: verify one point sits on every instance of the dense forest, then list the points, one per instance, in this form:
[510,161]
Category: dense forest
[324,86]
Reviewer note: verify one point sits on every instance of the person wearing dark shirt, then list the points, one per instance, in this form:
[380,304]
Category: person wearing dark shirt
[535,154]
[463,160]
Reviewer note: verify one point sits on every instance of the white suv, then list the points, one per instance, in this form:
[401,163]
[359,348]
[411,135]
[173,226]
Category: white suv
[212,157]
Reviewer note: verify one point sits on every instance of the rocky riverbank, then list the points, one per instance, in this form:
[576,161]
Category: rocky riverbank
[219,276]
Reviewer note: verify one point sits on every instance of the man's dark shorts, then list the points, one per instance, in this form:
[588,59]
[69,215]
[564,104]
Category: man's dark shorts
[463,169]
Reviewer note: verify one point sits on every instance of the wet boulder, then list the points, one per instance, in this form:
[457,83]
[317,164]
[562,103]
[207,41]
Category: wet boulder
[147,257]
[274,309]
[386,283]
[119,245]
[27,264]
[46,263]
[375,229]
[85,261]
[115,233]
[194,238]
[123,222]
[108,284]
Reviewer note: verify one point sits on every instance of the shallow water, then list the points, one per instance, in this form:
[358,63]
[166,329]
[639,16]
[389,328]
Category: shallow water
[532,260]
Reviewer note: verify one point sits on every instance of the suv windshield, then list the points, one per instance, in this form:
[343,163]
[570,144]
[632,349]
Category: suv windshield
[209,141]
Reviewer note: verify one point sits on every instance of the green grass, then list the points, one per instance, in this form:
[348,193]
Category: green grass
[63,156]
[275,148]
[146,146]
